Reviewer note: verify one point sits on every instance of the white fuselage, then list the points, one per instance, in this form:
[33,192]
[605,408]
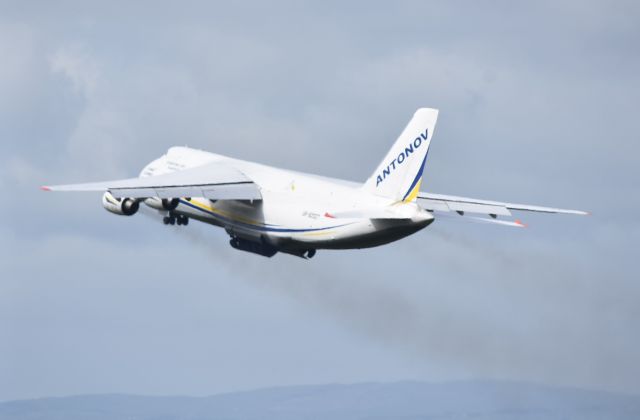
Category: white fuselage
[298,211]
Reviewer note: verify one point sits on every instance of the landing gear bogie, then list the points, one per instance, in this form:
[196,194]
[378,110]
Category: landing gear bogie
[172,219]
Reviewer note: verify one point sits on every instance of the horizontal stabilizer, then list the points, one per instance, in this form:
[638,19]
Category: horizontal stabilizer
[475,219]
[447,203]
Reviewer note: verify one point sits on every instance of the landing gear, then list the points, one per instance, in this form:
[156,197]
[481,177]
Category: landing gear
[172,219]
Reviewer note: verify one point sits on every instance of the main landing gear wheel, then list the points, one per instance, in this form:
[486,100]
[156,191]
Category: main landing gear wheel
[172,219]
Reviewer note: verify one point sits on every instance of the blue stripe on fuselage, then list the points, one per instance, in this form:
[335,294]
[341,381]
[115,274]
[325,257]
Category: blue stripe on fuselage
[256,227]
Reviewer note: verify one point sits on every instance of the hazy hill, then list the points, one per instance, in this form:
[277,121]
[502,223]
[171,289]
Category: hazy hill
[403,400]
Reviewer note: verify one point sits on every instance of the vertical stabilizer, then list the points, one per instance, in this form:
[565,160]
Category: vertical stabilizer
[400,173]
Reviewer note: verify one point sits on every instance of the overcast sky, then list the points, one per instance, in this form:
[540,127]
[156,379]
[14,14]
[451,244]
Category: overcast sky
[538,104]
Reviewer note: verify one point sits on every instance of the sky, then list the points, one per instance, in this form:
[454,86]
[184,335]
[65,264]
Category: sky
[538,104]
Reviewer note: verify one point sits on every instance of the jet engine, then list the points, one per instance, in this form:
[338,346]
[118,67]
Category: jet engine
[120,206]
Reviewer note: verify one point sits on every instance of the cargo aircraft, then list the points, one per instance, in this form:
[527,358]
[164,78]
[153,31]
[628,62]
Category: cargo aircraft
[266,210]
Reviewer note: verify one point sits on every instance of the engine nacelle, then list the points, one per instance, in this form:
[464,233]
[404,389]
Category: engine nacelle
[162,204]
[120,206]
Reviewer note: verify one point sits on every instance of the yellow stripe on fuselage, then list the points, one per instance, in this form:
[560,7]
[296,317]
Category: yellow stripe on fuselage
[224,213]
[320,233]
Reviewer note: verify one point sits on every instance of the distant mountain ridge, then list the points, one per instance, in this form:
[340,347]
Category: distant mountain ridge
[476,400]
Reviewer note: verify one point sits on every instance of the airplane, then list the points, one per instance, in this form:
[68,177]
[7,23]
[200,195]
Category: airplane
[266,210]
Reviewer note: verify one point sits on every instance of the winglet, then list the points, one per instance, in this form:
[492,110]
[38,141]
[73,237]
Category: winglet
[519,223]
[45,188]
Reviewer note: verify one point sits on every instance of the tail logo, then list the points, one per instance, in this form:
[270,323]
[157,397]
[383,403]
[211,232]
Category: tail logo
[403,156]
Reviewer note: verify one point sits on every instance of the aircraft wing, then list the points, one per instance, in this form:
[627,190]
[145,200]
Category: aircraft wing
[447,203]
[214,181]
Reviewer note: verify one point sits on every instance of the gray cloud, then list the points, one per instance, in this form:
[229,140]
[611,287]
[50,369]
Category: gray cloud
[537,105]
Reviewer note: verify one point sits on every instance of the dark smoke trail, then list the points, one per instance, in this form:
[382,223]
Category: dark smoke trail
[477,335]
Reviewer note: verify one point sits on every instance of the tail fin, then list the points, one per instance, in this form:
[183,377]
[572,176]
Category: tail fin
[400,173]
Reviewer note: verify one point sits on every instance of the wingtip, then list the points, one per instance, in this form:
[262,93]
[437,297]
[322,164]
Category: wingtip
[579,212]
[45,188]
[519,223]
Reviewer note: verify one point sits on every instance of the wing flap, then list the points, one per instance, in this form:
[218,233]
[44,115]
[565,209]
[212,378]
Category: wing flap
[249,191]
[171,192]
